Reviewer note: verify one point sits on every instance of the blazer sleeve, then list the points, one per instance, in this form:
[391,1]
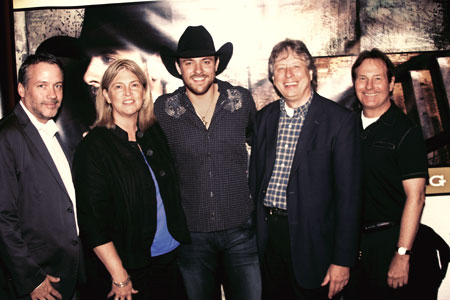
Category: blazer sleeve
[93,193]
[347,175]
[14,251]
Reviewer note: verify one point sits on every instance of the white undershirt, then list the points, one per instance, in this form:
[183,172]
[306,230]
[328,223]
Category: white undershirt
[47,132]
[367,121]
[289,111]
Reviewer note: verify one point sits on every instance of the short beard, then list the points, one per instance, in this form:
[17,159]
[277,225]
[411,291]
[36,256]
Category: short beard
[199,93]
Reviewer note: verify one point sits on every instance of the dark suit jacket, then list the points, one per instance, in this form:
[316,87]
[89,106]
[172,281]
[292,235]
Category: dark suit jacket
[323,193]
[37,225]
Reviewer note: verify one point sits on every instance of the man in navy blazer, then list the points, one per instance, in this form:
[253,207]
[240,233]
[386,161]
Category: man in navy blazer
[39,243]
[305,178]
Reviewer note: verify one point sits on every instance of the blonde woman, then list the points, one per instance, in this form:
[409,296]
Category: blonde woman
[129,213]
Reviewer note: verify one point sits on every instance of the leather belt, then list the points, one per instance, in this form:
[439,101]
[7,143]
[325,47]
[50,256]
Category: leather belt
[372,227]
[276,211]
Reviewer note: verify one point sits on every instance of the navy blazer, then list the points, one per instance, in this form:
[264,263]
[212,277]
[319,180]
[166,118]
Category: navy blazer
[323,193]
[37,225]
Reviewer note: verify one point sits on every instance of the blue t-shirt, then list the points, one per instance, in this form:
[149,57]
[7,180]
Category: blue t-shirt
[163,242]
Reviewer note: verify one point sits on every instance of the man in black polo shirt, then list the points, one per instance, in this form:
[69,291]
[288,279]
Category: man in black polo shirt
[207,122]
[395,171]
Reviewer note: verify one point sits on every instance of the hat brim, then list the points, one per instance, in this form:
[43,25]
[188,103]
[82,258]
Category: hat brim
[61,46]
[170,57]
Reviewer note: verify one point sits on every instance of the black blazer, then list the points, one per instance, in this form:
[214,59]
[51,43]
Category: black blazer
[116,197]
[323,193]
[37,225]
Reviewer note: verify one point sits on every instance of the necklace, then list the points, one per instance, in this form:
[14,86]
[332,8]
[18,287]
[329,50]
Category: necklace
[203,117]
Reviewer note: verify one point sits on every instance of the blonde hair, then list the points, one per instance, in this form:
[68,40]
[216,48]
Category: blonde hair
[105,117]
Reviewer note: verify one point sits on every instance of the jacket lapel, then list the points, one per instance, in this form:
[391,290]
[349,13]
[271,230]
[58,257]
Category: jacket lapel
[271,131]
[36,142]
[66,152]
[308,132]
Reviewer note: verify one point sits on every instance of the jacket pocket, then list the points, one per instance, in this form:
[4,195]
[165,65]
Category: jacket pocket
[383,145]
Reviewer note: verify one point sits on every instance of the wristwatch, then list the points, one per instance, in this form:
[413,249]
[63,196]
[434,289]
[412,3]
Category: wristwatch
[403,251]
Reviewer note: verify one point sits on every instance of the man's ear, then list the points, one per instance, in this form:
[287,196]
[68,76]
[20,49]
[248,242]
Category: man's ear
[21,90]
[217,63]
[391,84]
[177,65]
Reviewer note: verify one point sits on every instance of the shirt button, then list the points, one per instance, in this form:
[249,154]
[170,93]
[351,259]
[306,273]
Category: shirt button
[162,173]
[70,210]
[208,154]
[74,242]
[212,194]
[149,152]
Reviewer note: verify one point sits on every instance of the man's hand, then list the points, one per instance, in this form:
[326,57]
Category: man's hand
[398,271]
[337,277]
[45,291]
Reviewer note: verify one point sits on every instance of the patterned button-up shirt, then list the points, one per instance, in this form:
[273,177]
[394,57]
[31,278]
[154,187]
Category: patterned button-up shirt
[289,128]
[211,163]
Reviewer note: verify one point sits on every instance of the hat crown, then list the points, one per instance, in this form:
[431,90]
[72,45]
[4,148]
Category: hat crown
[196,41]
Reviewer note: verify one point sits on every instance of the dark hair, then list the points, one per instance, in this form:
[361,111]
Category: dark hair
[34,60]
[126,26]
[299,48]
[373,54]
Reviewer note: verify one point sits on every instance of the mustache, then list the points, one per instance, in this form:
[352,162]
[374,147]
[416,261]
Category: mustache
[52,101]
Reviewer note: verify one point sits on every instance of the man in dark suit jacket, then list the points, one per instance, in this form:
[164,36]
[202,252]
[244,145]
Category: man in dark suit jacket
[304,175]
[38,232]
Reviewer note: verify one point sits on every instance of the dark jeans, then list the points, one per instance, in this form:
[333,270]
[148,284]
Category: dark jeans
[278,278]
[229,257]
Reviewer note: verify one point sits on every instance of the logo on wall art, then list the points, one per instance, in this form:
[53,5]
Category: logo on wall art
[437,180]
[437,184]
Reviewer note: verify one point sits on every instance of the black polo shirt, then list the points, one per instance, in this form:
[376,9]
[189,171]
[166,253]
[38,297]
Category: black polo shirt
[393,150]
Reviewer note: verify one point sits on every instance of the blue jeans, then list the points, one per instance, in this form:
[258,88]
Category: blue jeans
[229,257]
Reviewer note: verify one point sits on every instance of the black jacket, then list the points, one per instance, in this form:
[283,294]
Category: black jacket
[323,193]
[116,198]
[38,234]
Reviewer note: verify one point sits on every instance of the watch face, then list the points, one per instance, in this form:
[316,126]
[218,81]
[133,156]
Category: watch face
[401,250]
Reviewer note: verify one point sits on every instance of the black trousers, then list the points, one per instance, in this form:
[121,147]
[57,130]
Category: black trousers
[160,280]
[278,279]
[368,279]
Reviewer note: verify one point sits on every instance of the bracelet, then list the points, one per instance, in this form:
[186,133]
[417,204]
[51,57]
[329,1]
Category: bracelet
[122,284]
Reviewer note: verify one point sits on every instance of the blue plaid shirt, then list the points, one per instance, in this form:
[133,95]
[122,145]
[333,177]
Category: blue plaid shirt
[289,128]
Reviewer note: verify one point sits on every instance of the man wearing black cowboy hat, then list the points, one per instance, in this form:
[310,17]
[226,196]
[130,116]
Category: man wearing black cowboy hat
[207,123]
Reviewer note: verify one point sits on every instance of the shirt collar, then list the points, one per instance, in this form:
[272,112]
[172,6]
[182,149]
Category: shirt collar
[123,135]
[49,128]
[389,116]
[290,112]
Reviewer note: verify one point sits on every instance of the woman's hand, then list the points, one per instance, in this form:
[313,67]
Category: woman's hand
[122,287]
[122,290]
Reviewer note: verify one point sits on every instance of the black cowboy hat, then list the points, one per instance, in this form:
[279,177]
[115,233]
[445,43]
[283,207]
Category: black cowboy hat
[115,26]
[196,42]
